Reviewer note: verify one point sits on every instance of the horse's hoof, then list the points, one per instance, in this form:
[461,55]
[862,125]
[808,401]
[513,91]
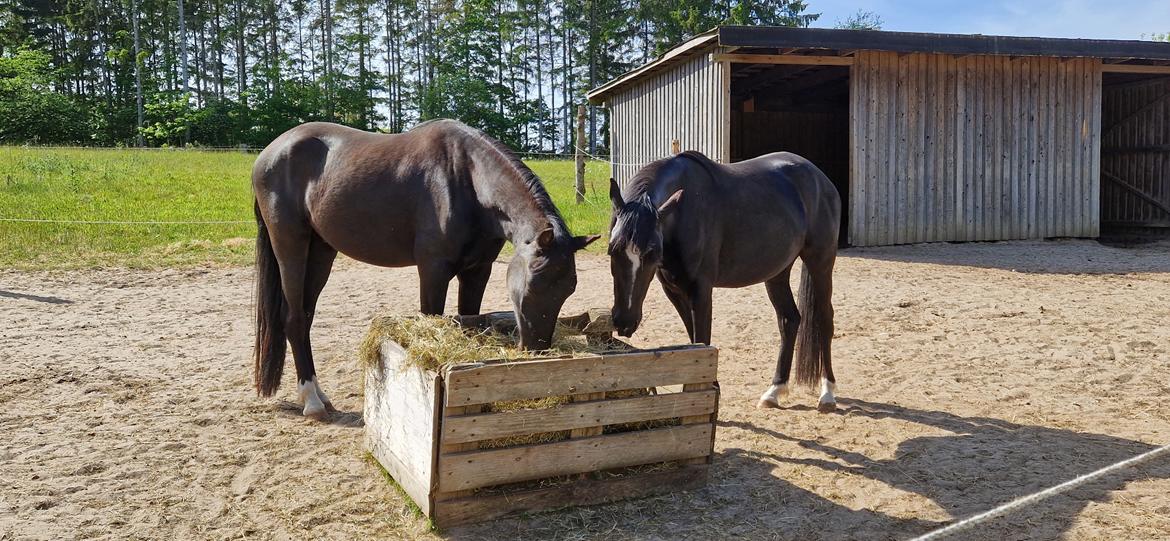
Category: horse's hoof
[827,407]
[317,414]
[767,404]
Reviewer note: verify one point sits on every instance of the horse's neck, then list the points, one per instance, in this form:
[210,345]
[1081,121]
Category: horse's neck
[519,216]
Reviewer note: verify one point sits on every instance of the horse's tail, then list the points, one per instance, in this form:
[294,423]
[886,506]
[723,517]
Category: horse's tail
[815,334]
[268,354]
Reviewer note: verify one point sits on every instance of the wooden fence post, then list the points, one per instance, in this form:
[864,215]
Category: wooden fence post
[580,153]
[675,147]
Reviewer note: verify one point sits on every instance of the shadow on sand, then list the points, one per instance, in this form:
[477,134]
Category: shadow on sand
[1040,257]
[981,463]
[30,297]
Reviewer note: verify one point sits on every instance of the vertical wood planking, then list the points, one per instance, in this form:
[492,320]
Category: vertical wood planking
[977,148]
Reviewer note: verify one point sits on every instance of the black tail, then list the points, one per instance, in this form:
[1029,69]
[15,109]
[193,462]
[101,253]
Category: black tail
[270,338]
[814,338]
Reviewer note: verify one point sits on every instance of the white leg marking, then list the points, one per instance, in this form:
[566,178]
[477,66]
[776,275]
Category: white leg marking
[771,398]
[828,400]
[321,394]
[307,392]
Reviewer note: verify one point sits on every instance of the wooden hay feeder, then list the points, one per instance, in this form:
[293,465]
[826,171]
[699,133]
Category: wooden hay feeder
[456,444]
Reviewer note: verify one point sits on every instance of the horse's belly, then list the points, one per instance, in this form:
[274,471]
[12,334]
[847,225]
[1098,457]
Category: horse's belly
[386,240]
[382,248]
[742,270]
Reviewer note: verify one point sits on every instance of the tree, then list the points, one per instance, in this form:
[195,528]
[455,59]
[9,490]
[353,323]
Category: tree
[29,111]
[253,68]
[862,20]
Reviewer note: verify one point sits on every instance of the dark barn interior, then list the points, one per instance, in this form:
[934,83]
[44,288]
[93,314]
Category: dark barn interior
[1135,154]
[802,109]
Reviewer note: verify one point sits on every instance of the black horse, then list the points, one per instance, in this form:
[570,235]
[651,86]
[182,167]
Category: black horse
[702,225]
[443,197]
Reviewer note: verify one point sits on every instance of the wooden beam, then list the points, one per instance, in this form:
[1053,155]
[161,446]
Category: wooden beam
[1136,191]
[1155,149]
[1135,68]
[1153,103]
[784,59]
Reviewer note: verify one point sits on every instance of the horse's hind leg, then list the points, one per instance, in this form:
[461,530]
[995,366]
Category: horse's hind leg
[788,317]
[291,245]
[317,269]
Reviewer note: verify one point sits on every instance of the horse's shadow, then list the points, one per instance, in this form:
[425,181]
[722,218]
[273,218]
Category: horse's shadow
[979,464]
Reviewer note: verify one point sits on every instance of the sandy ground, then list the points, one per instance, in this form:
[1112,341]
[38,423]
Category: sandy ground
[969,375]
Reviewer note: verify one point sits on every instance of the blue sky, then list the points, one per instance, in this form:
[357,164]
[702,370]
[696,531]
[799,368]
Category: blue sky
[1109,19]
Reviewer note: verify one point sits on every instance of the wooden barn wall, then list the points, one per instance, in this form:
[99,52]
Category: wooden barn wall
[1135,154]
[973,148]
[687,101]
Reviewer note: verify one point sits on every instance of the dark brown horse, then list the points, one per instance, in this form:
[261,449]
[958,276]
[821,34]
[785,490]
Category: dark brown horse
[701,225]
[443,197]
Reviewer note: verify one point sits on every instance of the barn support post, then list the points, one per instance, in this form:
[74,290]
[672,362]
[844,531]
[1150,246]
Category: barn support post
[580,153]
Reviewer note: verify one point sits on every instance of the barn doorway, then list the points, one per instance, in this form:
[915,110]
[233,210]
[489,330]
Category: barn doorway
[802,109]
[1135,156]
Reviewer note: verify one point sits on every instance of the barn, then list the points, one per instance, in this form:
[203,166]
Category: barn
[928,137]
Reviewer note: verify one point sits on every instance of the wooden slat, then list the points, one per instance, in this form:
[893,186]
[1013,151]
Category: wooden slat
[701,418]
[1134,68]
[541,378]
[785,59]
[401,415]
[476,469]
[1136,191]
[585,492]
[466,428]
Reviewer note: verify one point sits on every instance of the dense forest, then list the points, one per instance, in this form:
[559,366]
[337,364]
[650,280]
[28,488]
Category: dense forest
[232,72]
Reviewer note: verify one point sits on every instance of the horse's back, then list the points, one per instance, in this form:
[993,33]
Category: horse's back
[358,191]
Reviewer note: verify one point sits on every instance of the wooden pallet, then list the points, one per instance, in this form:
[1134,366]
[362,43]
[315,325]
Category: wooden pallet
[431,430]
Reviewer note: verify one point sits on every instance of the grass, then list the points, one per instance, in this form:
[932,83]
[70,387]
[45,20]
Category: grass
[180,186]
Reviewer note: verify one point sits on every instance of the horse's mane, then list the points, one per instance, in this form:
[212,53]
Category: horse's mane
[531,181]
[627,218]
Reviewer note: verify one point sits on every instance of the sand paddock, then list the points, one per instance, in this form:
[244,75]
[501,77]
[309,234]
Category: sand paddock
[969,375]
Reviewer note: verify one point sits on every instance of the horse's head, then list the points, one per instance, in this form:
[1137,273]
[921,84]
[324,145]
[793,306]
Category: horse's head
[541,276]
[635,253]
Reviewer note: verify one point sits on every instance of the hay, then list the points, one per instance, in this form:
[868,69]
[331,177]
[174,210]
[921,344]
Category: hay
[434,342]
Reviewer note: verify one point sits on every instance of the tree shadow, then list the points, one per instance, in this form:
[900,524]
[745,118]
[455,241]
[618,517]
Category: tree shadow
[1064,256]
[979,464]
[30,297]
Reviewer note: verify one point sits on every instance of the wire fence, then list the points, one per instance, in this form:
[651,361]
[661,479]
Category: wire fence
[592,161]
[982,518]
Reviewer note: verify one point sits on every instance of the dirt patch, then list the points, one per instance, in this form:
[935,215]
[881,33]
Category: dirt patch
[970,374]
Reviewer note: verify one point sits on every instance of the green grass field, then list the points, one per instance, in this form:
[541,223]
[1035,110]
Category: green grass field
[105,185]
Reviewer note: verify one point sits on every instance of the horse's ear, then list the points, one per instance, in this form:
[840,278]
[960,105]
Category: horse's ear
[583,241]
[615,194]
[544,239]
[671,202]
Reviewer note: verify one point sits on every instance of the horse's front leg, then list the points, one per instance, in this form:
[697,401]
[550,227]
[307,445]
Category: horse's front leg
[701,313]
[433,279]
[682,304]
[472,283]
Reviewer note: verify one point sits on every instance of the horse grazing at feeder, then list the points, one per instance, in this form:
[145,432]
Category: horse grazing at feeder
[701,225]
[442,197]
